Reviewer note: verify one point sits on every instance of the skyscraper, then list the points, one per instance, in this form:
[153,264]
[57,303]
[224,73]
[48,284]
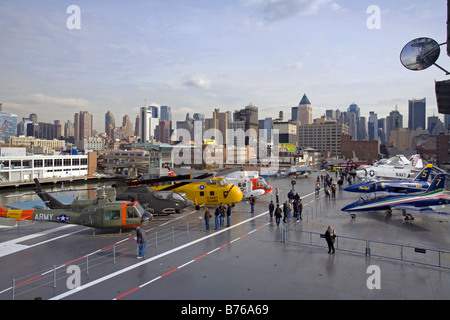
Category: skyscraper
[110,122]
[394,121]
[10,126]
[148,124]
[416,113]
[250,117]
[353,108]
[304,111]
[165,114]
[372,126]
[83,125]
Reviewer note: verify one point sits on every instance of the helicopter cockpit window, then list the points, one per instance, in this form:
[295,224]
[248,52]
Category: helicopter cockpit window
[112,215]
[132,213]
[140,211]
[163,195]
[177,197]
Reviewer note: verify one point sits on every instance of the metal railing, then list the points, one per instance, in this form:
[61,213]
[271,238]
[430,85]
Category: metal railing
[54,280]
[371,248]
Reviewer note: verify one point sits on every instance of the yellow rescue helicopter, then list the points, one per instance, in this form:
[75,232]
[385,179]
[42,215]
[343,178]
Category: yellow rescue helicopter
[208,192]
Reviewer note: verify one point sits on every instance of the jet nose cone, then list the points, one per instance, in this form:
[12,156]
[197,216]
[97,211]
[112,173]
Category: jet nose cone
[353,188]
[348,207]
[189,203]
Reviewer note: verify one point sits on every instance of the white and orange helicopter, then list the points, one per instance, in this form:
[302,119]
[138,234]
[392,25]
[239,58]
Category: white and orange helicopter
[250,183]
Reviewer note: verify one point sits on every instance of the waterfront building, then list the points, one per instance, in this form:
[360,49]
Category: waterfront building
[22,168]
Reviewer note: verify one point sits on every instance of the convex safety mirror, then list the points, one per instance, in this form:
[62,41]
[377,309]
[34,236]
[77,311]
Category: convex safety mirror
[420,54]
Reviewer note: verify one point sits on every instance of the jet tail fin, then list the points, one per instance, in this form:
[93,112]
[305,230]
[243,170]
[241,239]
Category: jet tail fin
[424,174]
[438,183]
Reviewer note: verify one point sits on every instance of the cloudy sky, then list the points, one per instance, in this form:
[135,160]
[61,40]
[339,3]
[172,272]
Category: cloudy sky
[197,55]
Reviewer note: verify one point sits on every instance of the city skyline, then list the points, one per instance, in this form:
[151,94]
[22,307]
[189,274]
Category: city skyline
[198,56]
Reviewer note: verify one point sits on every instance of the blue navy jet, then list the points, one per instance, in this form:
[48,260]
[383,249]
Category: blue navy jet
[418,184]
[388,201]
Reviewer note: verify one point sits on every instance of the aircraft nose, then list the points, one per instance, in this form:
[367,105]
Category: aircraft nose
[347,207]
[189,203]
[236,195]
[352,188]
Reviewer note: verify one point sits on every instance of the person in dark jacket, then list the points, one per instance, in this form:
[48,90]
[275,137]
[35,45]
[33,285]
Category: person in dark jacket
[252,201]
[217,219]
[330,236]
[271,210]
[278,214]
[141,239]
[229,215]
[207,217]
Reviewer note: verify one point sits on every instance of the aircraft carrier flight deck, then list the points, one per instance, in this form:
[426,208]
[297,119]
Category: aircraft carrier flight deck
[377,256]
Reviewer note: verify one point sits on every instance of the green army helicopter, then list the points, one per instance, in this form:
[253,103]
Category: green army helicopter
[100,213]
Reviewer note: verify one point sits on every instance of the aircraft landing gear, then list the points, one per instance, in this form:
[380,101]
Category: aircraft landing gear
[388,212]
[407,216]
[353,215]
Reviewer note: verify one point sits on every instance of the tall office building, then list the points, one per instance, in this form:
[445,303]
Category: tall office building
[155,111]
[148,124]
[137,126]
[69,131]
[83,125]
[362,129]
[304,111]
[127,126]
[350,121]
[294,113]
[372,126]
[110,122]
[353,108]
[250,117]
[382,130]
[266,125]
[322,135]
[394,121]
[165,114]
[10,126]
[416,113]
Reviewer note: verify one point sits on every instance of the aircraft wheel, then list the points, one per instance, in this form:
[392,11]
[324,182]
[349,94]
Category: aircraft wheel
[353,215]
[197,207]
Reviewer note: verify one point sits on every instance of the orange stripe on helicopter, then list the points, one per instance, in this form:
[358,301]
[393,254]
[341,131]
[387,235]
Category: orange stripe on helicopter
[17,215]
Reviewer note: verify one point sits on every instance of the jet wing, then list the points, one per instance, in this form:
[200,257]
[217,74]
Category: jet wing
[421,210]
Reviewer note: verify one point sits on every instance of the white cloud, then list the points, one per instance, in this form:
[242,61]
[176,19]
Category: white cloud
[274,10]
[198,81]
[295,66]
